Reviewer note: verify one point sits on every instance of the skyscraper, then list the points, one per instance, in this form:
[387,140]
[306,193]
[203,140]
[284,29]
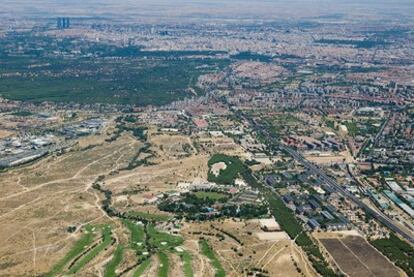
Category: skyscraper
[63,23]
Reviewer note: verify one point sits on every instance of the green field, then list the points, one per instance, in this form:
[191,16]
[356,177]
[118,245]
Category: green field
[187,266]
[113,264]
[137,231]
[228,175]
[151,217]
[164,264]
[161,240]
[106,241]
[210,195]
[209,253]
[142,267]
[398,251]
[76,250]
[352,128]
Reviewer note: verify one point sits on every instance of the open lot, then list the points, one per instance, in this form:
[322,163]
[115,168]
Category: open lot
[40,201]
[356,257]
[242,250]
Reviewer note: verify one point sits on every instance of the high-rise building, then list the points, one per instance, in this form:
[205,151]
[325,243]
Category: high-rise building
[63,23]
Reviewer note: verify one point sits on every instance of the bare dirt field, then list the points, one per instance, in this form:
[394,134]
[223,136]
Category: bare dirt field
[5,134]
[40,201]
[244,251]
[172,146]
[330,158]
[356,257]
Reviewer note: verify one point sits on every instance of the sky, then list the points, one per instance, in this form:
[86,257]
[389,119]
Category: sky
[179,9]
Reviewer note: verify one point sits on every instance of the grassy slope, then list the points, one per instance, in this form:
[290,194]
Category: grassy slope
[106,241]
[209,253]
[77,249]
[141,268]
[157,238]
[116,260]
[187,266]
[164,264]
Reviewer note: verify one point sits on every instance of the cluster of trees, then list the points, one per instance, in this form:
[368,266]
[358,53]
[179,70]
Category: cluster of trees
[196,208]
[234,167]
[398,251]
[292,227]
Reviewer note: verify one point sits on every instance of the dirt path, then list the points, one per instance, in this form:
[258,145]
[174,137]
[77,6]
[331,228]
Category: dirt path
[34,252]
[356,256]
[272,257]
[74,177]
[265,254]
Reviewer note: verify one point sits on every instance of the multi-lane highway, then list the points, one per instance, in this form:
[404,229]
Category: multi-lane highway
[338,188]
[329,181]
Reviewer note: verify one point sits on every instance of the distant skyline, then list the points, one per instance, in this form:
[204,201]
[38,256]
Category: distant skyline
[165,10]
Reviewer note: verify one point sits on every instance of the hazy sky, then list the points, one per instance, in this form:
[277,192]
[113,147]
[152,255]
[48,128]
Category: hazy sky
[162,9]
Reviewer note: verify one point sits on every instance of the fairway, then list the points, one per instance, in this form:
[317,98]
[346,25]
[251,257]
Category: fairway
[77,249]
[209,253]
[142,267]
[137,235]
[164,264]
[187,264]
[106,241]
[115,261]
[150,216]
[162,240]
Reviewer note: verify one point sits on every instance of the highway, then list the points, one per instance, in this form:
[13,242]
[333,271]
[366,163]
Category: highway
[334,185]
[329,181]
[338,188]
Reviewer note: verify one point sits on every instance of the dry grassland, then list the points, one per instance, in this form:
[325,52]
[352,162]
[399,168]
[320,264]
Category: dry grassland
[41,200]
[248,251]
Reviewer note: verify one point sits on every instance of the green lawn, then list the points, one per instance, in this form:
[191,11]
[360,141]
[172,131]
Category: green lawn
[148,216]
[164,264]
[137,241]
[77,249]
[158,238]
[228,175]
[142,267]
[106,241]
[209,253]
[352,128]
[187,265]
[211,195]
[116,260]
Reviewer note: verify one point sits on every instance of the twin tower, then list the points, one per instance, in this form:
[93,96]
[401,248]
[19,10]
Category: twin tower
[63,22]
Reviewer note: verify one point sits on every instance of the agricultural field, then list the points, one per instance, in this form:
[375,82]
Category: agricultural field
[356,257]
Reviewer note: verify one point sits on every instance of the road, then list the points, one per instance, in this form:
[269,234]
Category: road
[329,181]
[338,188]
